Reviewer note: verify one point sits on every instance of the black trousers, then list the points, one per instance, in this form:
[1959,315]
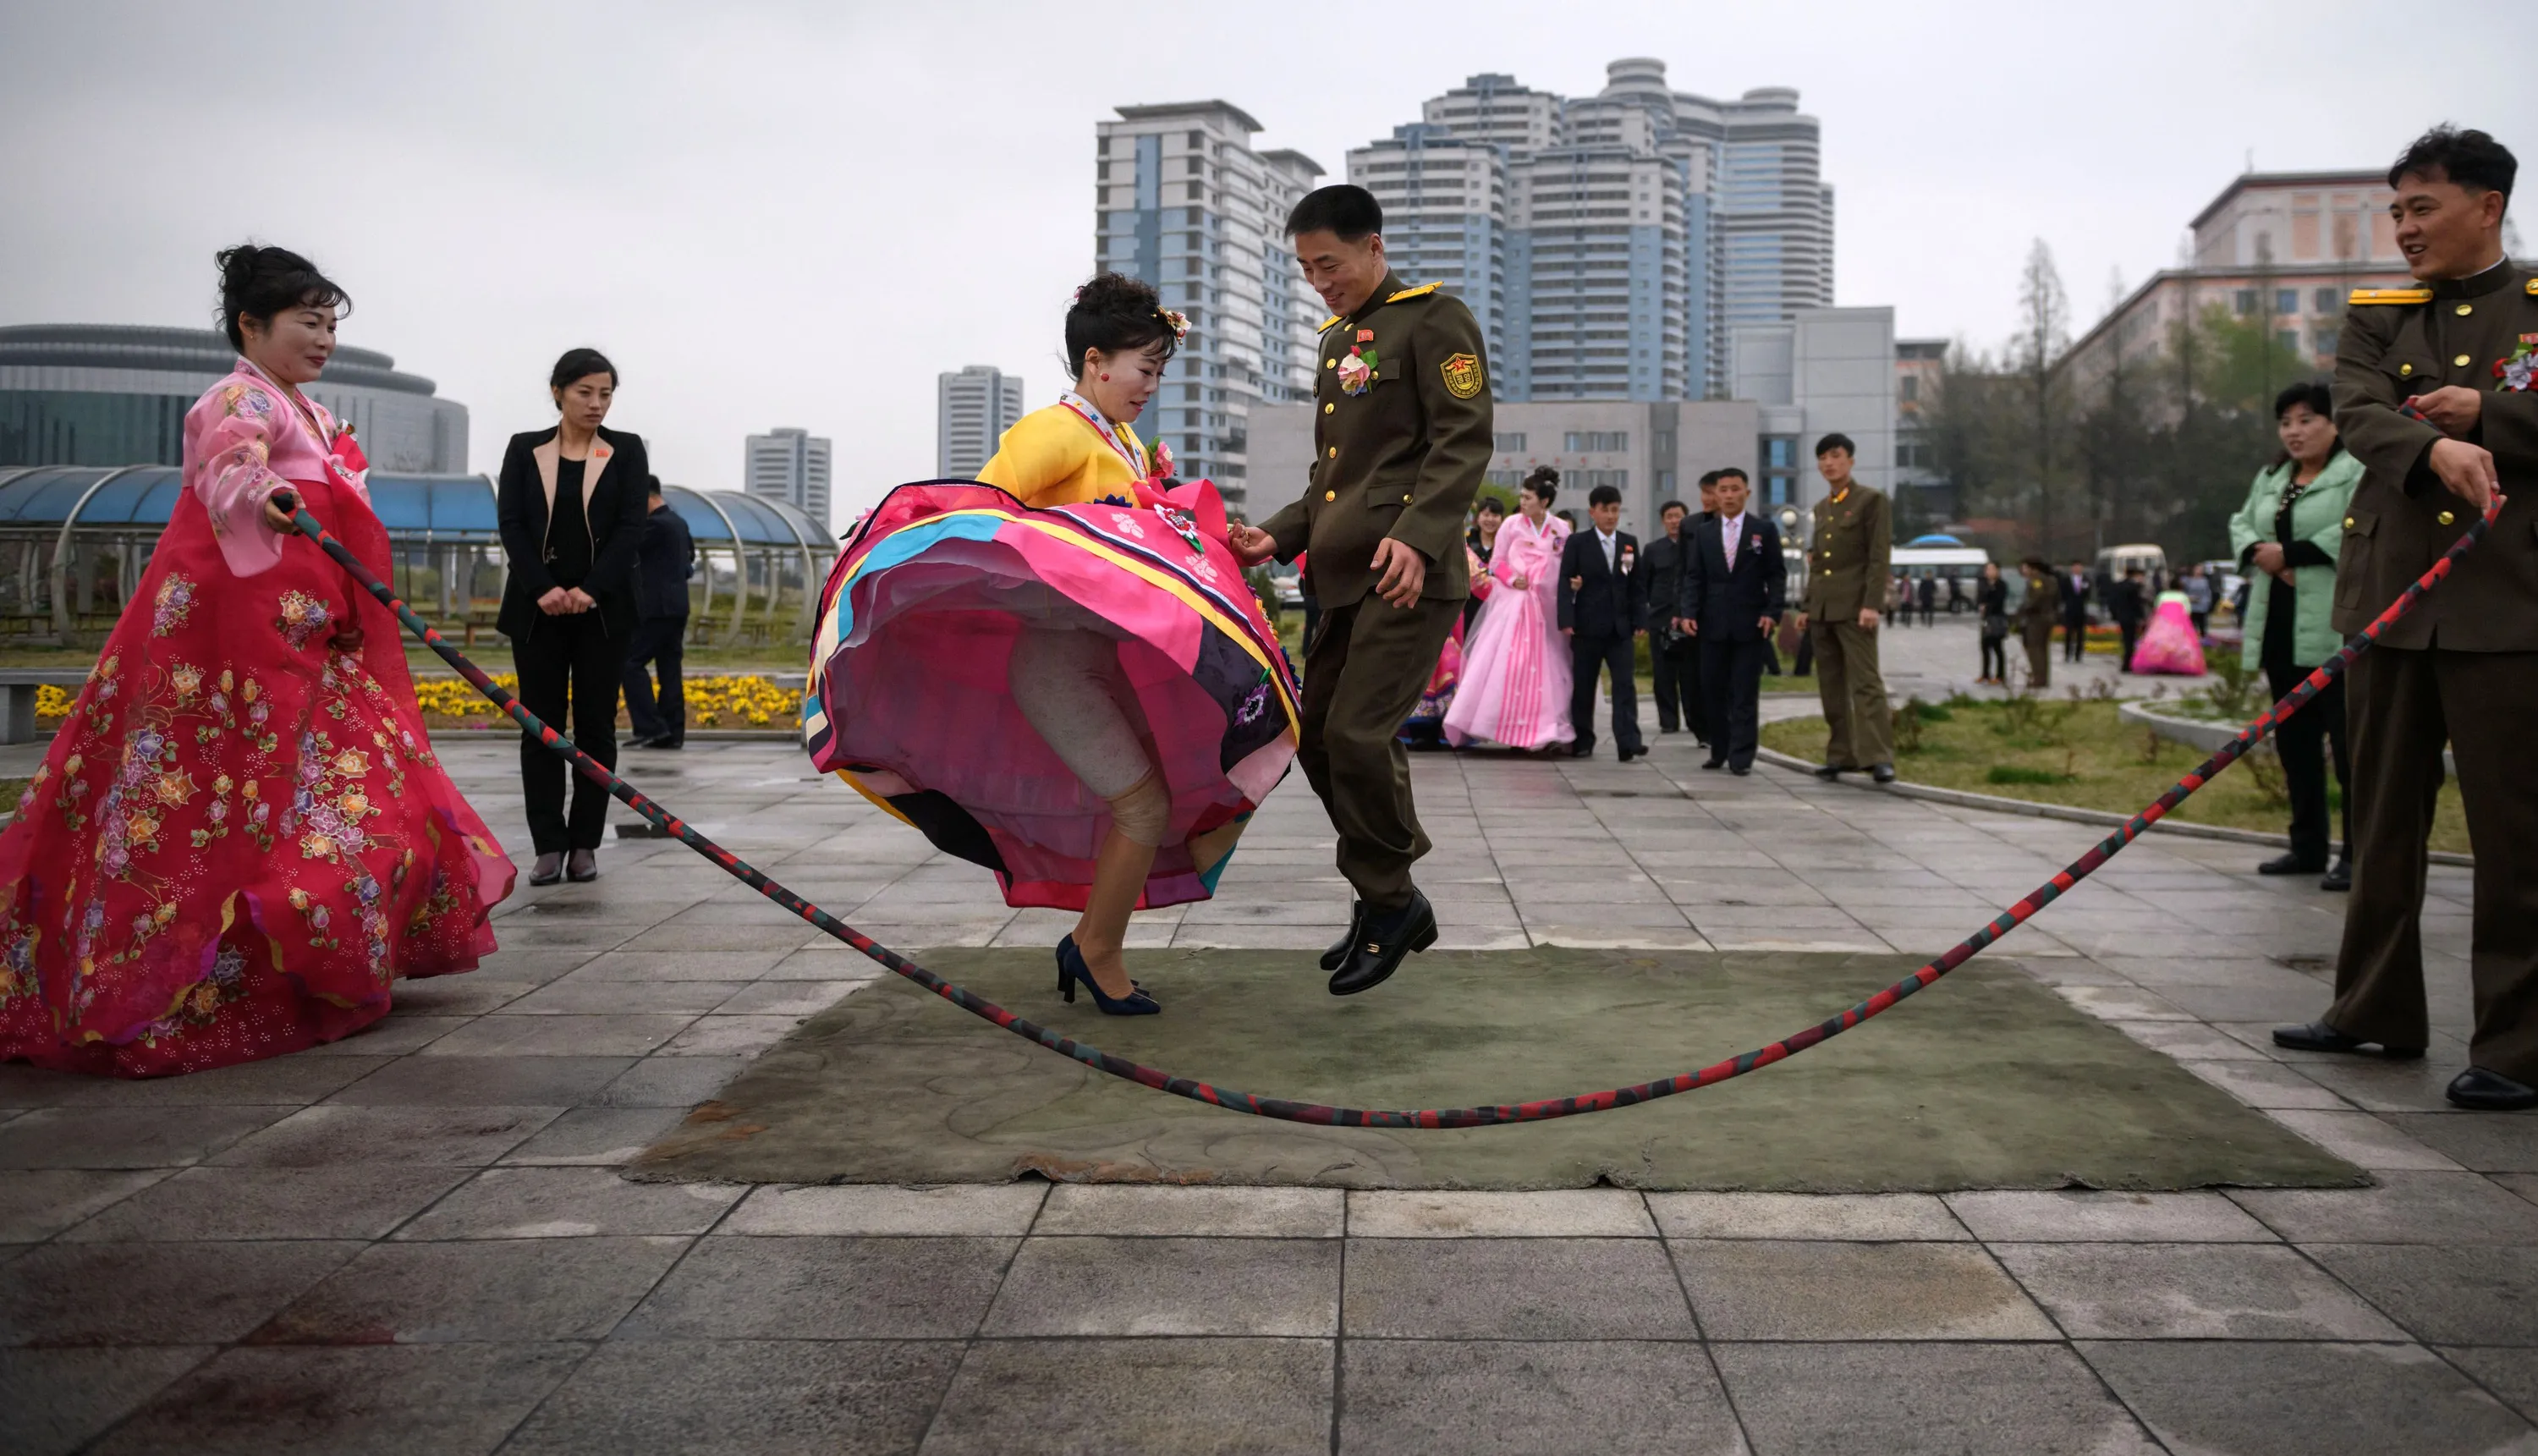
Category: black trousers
[1995,657]
[1587,656]
[2131,633]
[1676,663]
[569,665]
[661,640]
[1731,673]
[2300,744]
[2075,639]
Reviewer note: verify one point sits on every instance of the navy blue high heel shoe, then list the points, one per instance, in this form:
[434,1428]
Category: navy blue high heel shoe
[1071,971]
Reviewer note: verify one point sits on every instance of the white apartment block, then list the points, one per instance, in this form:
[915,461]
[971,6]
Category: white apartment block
[972,410]
[791,466]
[1186,202]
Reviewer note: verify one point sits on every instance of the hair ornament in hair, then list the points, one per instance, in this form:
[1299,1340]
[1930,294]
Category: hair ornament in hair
[1178,322]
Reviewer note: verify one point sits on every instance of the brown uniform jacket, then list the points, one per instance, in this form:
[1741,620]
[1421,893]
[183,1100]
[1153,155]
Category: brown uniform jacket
[2041,604]
[1404,457]
[1851,556]
[2467,332]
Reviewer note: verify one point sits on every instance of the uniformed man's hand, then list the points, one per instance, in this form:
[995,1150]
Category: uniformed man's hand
[2453,408]
[1401,571]
[1868,618]
[1249,544]
[2466,469]
[1799,622]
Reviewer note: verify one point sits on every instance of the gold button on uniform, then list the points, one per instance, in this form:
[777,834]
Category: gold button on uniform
[2347,523]
[1405,501]
[1330,494]
[2445,519]
[2405,370]
[1330,364]
[1326,409]
[2465,309]
[1335,453]
[2461,360]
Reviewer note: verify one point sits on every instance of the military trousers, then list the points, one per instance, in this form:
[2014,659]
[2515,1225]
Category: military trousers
[2039,637]
[2400,708]
[1364,672]
[1862,728]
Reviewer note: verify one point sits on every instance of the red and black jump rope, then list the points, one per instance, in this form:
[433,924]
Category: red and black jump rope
[1431,1117]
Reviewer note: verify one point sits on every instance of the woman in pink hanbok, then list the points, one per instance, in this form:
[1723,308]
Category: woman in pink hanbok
[1514,688]
[2170,646]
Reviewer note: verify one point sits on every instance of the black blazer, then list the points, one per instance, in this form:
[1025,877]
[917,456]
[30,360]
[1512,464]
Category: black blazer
[2074,599]
[664,565]
[1661,577]
[1730,604]
[1612,601]
[615,494]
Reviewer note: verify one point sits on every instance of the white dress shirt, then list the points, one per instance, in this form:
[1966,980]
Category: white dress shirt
[1611,542]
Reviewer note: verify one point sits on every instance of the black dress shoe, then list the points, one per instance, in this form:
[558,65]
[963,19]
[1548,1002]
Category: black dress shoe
[1581,749]
[1713,762]
[1641,752]
[1742,771]
[1385,939]
[2291,864]
[1828,774]
[1881,772]
[2319,1037]
[2339,879]
[2480,1090]
[1339,948]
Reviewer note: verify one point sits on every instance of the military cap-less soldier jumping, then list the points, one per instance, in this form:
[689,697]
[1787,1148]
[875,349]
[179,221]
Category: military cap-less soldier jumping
[2433,393]
[1401,438]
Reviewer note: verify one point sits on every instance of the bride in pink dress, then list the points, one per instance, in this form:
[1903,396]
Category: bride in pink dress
[1514,688]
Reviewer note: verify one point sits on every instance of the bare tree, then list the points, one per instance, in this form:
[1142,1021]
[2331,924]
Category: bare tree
[2045,332]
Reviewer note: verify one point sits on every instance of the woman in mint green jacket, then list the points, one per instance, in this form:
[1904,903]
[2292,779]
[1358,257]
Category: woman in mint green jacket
[2287,537]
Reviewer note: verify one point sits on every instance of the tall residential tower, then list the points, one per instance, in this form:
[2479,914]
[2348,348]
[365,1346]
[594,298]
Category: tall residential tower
[791,466]
[972,410]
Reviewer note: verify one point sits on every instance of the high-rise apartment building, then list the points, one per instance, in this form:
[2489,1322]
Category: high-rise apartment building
[972,410]
[791,466]
[1608,242]
[1187,204]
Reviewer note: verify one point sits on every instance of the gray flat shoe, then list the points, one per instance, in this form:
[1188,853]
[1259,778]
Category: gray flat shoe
[581,866]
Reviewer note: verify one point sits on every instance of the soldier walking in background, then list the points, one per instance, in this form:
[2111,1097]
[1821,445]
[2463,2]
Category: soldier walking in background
[1847,567]
[2433,393]
[1668,649]
[1401,437]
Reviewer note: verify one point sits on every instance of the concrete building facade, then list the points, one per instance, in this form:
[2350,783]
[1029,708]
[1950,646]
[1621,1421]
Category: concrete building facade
[972,410]
[791,466]
[1187,202]
[1825,371]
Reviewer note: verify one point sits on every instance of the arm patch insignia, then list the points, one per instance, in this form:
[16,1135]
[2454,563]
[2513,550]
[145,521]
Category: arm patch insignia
[1462,373]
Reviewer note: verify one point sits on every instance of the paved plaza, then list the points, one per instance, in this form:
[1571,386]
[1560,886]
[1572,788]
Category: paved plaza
[419,1239]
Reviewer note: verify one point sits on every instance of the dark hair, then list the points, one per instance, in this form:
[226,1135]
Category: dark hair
[1709,479]
[2314,394]
[578,364]
[1115,313]
[651,485]
[1740,475]
[1673,505]
[1349,212]
[260,281]
[1544,482]
[2037,566]
[2471,159]
[1489,502]
[1835,441]
[1604,495]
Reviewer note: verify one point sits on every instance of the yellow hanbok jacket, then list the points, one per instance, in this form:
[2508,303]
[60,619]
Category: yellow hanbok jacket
[1057,457]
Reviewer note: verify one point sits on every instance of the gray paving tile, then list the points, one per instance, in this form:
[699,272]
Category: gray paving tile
[2484,1142]
[744,1398]
[39,1203]
[1522,1289]
[1258,1397]
[2510,1374]
[824,1288]
[596,1136]
[287,1080]
[52,1401]
[2362,1140]
[520,1290]
[428,1400]
[2445,1295]
[469,995]
[60,1294]
[2088,1215]
[1158,1210]
[2406,1208]
[2253,1399]
[2197,1291]
[574,995]
[485,1082]
[501,1035]
[995,1208]
[1469,1398]
[1762,1289]
[570,1202]
[354,1201]
[1838,1216]
[1925,1399]
[708,965]
[126,1136]
[1559,1212]
[720,1037]
[1096,1285]
[392,1036]
[334,1134]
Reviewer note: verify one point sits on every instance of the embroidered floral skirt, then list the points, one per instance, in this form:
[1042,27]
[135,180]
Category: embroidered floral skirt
[910,702]
[242,835]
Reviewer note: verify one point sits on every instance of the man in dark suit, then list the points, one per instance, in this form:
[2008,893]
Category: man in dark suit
[2129,604]
[2073,590]
[1670,652]
[1735,588]
[1603,607]
[662,565]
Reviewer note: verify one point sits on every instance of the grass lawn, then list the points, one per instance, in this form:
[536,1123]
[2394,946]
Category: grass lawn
[2077,753]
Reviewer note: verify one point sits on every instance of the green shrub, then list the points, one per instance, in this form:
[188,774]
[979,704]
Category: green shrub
[2013,774]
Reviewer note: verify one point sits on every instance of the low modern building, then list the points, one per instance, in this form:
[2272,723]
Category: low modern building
[791,466]
[111,394]
[972,410]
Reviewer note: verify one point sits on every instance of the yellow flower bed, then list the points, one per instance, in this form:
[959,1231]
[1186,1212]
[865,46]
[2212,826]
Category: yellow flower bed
[754,701]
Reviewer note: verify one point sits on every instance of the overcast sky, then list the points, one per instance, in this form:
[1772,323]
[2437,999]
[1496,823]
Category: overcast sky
[775,214]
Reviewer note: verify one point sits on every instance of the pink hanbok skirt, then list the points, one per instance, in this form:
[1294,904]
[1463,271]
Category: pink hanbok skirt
[909,699]
[2170,645]
[1515,686]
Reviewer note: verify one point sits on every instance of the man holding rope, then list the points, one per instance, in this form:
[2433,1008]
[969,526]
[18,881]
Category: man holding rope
[2434,392]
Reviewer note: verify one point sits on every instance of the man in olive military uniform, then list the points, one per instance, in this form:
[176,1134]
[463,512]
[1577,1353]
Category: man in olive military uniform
[2433,393]
[1401,438]
[1847,572]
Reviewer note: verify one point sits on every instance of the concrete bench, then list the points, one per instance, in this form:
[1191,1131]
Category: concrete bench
[18,687]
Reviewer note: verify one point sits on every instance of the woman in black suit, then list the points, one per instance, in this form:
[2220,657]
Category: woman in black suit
[573,506]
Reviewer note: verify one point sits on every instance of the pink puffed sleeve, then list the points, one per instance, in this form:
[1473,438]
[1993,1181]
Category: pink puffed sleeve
[228,448]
